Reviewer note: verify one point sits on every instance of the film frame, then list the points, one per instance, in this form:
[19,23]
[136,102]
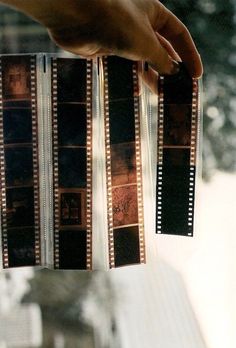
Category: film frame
[177,154]
[130,248]
[19,71]
[86,253]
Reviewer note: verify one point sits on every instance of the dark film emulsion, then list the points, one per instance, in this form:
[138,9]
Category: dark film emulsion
[175,191]
[177,124]
[122,129]
[120,78]
[127,246]
[21,117]
[72,124]
[72,167]
[71,208]
[71,121]
[175,174]
[18,173]
[20,207]
[178,88]
[123,164]
[71,80]
[19,166]
[123,161]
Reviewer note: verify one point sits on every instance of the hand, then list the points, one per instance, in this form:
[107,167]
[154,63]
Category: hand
[134,29]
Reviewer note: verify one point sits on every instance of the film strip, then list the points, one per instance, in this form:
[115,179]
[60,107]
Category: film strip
[123,163]
[72,162]
[19,162]
[176,153]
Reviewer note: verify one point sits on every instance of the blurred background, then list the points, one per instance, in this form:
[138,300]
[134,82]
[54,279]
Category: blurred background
[185,297]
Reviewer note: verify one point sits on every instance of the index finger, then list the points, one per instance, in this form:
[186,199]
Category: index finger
[171,28]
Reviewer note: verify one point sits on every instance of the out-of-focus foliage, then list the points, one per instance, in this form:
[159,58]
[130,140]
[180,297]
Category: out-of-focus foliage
[212,24]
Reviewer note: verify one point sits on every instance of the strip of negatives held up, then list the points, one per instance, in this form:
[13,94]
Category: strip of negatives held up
[71,150]
[178,122]
[72,162]
[123,162]
[47,118]
[19,162]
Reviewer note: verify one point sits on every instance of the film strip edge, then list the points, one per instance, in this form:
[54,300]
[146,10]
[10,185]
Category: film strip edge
[108,168]
[193,147]
[138,164]
[35,159]
[89,166]
[193,154]
[55,164]
[5,257]
[160,143]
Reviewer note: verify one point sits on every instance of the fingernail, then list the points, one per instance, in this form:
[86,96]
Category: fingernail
[175,68]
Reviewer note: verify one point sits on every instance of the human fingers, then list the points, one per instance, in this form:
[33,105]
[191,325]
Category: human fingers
[173,30]
[144,44]
[166,44]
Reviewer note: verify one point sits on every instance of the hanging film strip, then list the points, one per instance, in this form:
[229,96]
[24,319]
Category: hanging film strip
[123,163]
[72,162]
[19,195]
[176,153]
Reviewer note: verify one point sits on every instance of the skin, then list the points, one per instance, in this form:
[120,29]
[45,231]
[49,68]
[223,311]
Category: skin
[134,29]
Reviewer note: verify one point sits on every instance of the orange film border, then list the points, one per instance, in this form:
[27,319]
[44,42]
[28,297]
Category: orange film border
[33,83]
[109,177]
[35,160]
[88,190]
[190,174]
[3,182]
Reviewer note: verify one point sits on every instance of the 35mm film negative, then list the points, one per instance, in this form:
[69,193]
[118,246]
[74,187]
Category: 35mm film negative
[24,165]
[72,162]
[19,194]
[123,162]
[178,122]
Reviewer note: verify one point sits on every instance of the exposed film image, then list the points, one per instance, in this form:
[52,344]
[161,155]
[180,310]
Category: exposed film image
[16,78]
[123,164]
[72,124]
[71,80]
[177,124]
[122,124]
[20,207]
[19,166]
[176,157]
[120,78]
[125,209]
[17,125]
[72,167]
[21,247]
[73,209]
